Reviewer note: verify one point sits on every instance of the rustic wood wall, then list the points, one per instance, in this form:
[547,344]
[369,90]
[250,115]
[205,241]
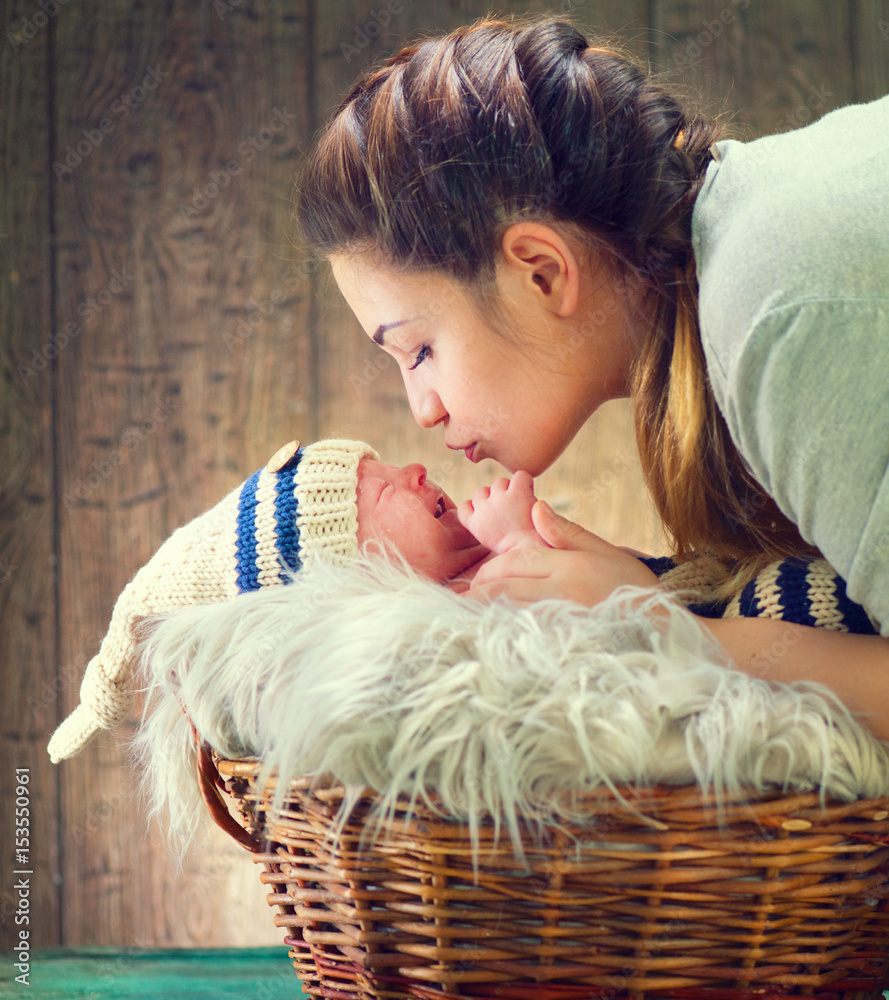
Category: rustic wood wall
[159,342]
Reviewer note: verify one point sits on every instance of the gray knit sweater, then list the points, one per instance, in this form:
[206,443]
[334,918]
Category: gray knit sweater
[791,236]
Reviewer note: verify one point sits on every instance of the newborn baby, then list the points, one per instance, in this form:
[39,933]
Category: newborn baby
[402,508]
[327,500]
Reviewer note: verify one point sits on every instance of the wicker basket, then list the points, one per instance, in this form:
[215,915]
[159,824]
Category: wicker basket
[777,897]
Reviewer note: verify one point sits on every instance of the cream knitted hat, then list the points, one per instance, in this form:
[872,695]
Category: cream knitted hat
[300,507]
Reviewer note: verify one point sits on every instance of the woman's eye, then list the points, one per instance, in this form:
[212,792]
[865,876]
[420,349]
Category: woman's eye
[422,355]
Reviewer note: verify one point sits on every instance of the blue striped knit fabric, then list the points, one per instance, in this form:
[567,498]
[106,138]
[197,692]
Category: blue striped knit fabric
[248,571]
[286,531]
[795,597]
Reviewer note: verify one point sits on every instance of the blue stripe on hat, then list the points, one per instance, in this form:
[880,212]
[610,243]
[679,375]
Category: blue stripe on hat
[286,532]
[245,544]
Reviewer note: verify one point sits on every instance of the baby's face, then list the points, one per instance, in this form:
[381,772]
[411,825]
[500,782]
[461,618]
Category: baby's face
[402,507]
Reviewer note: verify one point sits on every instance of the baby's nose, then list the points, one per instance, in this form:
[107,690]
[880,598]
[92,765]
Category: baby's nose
[414,474]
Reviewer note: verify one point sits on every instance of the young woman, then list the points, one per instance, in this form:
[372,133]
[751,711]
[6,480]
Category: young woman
[530,226]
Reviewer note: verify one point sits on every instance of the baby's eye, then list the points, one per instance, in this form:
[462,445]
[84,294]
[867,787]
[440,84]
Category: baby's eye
[422,355]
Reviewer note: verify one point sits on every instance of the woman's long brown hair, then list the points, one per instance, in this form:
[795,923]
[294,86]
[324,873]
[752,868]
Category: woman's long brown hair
[434,153]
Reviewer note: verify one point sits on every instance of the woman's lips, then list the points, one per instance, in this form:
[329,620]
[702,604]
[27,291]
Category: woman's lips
[472,451]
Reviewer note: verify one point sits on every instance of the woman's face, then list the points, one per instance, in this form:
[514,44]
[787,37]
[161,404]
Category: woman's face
[517,399]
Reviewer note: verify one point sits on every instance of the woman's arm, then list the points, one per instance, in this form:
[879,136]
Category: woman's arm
[854,667]
[582,567]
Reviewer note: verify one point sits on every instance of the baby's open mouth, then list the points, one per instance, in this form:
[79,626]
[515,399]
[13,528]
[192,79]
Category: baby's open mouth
[439,507]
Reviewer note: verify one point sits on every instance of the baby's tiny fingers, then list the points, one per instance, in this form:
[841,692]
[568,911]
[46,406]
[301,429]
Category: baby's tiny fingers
[500,485]
[481,494]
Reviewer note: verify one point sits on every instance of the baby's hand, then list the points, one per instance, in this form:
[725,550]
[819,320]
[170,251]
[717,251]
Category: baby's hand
[500,515]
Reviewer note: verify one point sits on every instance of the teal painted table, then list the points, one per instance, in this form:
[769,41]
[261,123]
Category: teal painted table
[150,974]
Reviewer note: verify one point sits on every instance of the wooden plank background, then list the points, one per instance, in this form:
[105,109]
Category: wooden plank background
[159,341]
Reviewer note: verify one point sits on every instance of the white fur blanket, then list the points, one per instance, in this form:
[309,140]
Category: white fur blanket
[382,679]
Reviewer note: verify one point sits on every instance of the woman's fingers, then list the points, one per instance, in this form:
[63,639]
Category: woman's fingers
[528,562]
[561,533]
[579,566]
[517,589]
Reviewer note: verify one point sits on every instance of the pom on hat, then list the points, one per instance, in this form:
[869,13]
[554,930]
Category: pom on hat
[300,507]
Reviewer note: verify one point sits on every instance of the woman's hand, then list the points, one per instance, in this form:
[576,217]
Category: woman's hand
[578,566]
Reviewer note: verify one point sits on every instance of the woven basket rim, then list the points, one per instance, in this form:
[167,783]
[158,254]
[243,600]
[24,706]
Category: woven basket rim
[652,811]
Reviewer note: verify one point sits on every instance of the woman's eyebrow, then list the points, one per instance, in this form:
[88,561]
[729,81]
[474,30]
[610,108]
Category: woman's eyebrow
[383,327]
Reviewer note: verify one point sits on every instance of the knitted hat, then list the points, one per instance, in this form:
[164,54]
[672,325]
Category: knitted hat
[300,507]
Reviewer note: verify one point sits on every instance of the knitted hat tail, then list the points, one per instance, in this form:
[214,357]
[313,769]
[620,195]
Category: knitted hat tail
[73,734]
[104,702]
[302,506]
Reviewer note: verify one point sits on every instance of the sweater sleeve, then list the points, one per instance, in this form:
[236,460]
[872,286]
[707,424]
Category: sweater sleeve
[807,402]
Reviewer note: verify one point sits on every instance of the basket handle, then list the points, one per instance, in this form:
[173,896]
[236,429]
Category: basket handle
[210,782]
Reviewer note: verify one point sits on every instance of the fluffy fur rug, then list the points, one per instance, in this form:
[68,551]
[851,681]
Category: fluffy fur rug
[382,679]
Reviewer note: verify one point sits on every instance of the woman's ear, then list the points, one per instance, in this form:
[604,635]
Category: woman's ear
[541,263]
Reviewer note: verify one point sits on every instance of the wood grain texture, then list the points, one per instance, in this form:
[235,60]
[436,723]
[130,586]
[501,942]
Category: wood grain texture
[770,67]
[870,48]
[180,126]
[29,345]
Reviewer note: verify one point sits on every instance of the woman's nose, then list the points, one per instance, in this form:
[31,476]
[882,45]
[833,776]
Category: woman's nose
[427,407]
